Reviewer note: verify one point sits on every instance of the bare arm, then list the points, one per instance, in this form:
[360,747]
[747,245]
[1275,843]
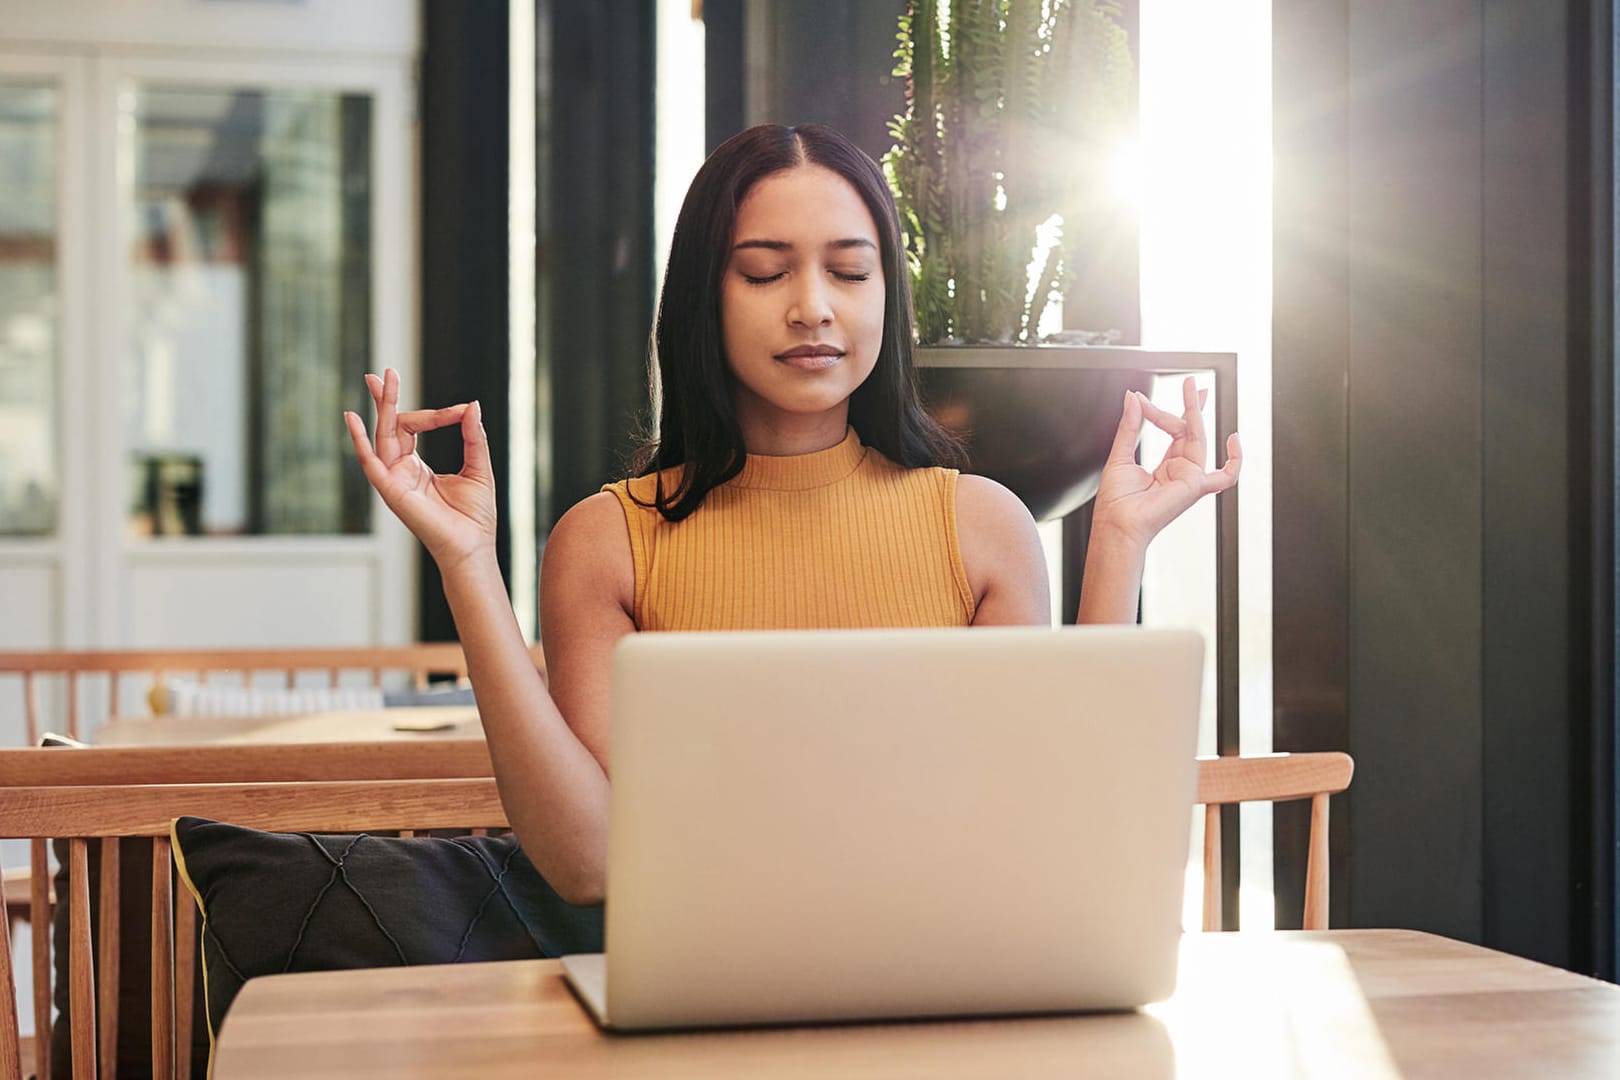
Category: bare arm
[553,788]
[1002,555]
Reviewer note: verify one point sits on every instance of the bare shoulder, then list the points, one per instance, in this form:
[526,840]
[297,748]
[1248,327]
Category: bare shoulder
[588,551]
[1001,553]
[983,503]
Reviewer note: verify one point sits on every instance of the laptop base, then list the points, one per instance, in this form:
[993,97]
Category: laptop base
[587,976]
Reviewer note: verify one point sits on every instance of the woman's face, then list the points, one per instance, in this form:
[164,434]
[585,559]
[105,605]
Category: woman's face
[801,307]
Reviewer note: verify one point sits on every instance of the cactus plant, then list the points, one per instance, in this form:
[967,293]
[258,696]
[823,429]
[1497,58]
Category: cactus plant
[1013,108]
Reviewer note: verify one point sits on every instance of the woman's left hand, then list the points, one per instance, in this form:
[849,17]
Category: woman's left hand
[1137,504]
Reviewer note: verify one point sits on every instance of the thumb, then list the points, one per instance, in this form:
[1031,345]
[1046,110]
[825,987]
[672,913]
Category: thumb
[1130,429]
[475,463]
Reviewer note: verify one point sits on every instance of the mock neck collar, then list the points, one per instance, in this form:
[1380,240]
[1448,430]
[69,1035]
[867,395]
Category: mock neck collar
[800,472]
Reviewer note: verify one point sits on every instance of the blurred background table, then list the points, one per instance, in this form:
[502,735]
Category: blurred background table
[361,725]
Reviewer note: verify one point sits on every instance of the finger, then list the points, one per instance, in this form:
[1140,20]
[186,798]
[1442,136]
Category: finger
[419,420]
[374,385]
[1227,475]
[388,443]
[475,464]
[1196,445]
[1168,422]
[376,472]
[1130,429]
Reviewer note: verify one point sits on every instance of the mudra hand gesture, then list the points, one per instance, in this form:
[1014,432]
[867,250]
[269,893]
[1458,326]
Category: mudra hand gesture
[453,516]
[1137,503]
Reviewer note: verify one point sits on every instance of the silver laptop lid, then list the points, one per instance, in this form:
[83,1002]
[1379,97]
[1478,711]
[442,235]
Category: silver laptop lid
[816,825]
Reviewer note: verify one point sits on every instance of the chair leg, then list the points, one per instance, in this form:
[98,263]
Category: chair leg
[1316,867]
[1212,866]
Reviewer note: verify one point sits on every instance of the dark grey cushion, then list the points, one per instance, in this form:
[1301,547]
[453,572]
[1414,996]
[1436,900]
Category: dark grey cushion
[278,902]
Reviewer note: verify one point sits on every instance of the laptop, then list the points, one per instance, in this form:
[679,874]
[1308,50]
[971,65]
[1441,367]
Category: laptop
[834,825]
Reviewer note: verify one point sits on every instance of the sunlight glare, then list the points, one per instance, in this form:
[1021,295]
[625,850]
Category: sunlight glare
[1205,189]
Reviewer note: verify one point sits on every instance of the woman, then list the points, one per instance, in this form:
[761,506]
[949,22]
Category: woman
[795,481]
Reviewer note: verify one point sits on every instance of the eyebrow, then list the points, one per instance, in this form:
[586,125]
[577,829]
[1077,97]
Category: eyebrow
[783,245]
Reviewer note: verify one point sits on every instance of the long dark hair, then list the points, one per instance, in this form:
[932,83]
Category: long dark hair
[697,418]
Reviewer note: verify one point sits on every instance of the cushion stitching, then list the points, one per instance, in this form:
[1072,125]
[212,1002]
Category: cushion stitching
[472,925]
[360,896]
[535,936]
[219,947]
[309,914]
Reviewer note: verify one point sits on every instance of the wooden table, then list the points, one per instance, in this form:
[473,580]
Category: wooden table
[357,725]
[1349,1003]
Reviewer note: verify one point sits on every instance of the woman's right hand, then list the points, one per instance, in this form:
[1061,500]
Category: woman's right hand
[453,516]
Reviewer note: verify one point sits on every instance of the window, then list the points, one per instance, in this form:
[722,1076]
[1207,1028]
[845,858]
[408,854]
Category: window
[251,282]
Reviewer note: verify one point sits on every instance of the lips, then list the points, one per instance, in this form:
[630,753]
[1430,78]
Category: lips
[811,357]
[810,351]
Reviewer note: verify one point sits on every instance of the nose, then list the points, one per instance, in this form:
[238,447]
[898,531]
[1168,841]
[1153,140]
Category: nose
[810,306]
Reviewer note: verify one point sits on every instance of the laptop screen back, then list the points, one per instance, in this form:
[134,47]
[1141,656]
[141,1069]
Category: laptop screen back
[843,824]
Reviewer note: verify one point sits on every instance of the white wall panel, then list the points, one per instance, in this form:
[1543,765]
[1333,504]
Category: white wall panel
[28,620]
[29,606]
[230,602]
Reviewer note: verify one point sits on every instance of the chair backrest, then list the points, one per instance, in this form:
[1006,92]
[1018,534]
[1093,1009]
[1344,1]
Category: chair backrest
[110,812]
[88,793]
[1272,778]
[78,668]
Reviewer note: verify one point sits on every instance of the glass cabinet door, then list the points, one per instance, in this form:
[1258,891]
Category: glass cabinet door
[248,234]
[29,305]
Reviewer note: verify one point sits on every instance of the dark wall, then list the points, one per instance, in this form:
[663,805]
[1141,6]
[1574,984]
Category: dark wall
[1434,366]
[826,61]
[596,240]
[594,137]
[465,323]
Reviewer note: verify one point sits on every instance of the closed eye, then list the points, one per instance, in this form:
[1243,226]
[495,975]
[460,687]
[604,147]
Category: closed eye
[852,278]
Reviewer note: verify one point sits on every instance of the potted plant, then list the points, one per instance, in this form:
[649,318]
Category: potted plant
[1015,110]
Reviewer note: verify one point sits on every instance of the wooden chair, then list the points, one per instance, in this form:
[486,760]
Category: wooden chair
[74,667]
[111,812]
[1272,778]
[71,669]
[117,771]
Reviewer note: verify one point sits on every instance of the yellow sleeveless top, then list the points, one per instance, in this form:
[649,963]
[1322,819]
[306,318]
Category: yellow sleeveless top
[840,538]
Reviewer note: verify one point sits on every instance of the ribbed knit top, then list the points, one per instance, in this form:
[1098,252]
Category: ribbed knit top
[840,538]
